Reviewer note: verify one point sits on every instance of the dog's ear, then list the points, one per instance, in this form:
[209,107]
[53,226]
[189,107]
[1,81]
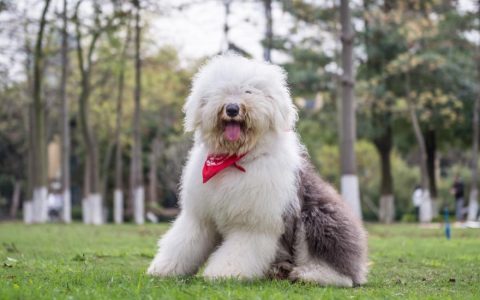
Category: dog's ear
[287,112]
[287,117]
[196,100]
[192,112]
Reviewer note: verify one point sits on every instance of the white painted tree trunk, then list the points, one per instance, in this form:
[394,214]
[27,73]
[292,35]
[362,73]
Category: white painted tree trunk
[36,207]
[44,197]
[118,206]
[96,209]
[473,206]
[28,212]
[351,193]
[349,182]
[67,206]
[387,209]
[86,214]
[139,205]
[426,207]
[40,205]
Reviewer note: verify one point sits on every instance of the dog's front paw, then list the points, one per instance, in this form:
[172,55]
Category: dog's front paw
[320,274]
[213,273]
[226,271]
[154,270]
[159,268]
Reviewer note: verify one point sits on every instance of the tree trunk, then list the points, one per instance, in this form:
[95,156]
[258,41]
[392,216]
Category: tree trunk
[92,157]
[426,206]
[118,191]
[226,28]
[431,147]
[349,181]
[268,43]
[28,209]
[29,129]
[15,199]
[136,162]
[153,180]
[383,142]
[473,197]
[383,145]
[106,163]
[39,128]
[86,210]
[65,179]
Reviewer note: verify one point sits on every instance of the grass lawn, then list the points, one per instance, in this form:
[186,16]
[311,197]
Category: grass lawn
[109,262]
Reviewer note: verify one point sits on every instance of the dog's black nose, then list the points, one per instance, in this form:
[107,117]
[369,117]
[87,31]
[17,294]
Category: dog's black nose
[232,109]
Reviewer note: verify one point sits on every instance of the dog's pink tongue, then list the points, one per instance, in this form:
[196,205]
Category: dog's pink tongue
[232,131]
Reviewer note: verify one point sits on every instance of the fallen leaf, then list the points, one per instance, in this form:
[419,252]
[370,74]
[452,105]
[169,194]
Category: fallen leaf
[10,262]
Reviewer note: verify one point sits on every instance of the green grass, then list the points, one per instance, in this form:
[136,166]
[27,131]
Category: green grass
[109,262]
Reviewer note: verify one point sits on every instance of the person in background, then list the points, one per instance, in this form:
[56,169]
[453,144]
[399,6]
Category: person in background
[417,200]
[458,190]
[55,203]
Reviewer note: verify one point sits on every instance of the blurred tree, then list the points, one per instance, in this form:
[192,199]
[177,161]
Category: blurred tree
[268,41]
[473,197]
[65,173]
[100,24]
[349,182]
[378,49]
[423,55]
[12,144]
[385,42]
[137,188]
[430,42]
[38,127]
[118,189]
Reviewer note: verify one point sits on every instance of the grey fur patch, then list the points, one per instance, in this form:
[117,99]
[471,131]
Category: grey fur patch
[332,232]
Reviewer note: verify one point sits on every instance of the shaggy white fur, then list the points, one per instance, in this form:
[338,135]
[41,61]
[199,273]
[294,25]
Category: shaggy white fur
[234,221]
[245,209]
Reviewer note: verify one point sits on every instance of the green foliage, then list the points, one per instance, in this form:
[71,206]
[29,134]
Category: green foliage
[425,41]
[409,218]
[405,177]
[109,262]
[165,85]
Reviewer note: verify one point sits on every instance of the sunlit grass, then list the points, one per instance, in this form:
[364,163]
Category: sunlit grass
[109,262]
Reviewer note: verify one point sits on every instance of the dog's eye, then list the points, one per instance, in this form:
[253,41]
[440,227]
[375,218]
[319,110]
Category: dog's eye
[248,92]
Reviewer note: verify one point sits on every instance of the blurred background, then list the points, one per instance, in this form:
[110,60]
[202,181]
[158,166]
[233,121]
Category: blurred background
[91,96]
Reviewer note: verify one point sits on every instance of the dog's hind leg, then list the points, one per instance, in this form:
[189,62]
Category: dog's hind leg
[333,237]
[321,273]
[311,269]
[184,248]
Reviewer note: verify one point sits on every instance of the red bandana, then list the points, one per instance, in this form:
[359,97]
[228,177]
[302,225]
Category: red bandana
[215,163]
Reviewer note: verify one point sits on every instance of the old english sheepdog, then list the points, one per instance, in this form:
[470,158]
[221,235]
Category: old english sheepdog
[252,205]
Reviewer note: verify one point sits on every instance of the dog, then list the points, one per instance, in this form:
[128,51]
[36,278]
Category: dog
[252,205]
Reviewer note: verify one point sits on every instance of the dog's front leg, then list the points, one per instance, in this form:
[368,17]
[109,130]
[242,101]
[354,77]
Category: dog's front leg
[184,248]
[243,254]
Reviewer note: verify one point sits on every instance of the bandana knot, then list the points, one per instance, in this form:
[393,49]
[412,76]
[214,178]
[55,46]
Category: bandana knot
[215,163]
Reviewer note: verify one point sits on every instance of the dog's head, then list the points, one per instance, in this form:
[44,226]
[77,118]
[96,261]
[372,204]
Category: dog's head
[234,101]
